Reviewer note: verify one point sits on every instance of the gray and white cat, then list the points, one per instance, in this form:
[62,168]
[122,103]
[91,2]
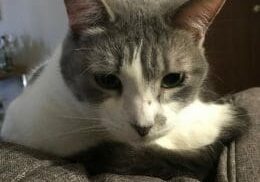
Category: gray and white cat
[130,71]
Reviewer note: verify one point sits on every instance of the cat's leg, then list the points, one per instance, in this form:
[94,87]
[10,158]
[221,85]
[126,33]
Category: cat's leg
[202,124]
[123,159]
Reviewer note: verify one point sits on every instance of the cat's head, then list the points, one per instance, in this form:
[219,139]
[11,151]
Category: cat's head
[139,62]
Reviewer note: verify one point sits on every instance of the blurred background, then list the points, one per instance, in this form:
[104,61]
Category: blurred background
[31,29]
[233,47]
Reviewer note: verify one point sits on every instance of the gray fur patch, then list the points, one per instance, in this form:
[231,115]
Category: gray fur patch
[165,49]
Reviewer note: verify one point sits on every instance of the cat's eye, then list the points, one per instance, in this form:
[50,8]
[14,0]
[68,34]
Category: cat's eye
[172,80]
[108,82]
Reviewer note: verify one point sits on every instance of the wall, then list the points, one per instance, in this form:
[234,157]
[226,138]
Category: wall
[233,45]
[39,24]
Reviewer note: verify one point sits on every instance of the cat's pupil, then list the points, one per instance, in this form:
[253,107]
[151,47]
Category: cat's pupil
[109,82]
[172,80]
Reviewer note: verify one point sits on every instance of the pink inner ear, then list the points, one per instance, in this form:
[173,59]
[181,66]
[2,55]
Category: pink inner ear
[197,15]
[83,13]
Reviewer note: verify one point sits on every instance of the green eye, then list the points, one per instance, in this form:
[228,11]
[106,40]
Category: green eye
[172,80]
[108,82]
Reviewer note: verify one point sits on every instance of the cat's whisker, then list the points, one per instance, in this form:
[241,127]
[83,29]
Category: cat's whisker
[94,121]
[115,126]
[82,49]
[218,77]
[248,115]
[82,118]
[87,130]
[78,118]
[85,69]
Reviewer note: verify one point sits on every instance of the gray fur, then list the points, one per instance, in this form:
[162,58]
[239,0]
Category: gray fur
[165,49]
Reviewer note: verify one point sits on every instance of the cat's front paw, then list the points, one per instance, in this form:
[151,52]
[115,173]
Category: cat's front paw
[202,124]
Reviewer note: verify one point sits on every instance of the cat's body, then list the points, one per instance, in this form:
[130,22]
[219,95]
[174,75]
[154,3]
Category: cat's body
[130,73]
[47,116]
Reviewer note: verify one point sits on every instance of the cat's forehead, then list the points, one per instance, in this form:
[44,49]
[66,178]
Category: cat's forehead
[138,36]
[154,54]
[142,63]
[121,57]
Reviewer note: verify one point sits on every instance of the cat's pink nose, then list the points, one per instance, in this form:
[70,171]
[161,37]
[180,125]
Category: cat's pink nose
[142,131]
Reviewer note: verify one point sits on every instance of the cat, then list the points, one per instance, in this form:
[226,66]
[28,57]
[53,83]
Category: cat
[129,71]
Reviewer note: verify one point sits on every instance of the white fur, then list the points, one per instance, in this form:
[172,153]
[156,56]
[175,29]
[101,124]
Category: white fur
[136,106]
[197,125]
[46,114]
[138,92]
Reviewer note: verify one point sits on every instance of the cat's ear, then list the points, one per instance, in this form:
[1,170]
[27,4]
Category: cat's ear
[197,15]
[87,15]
